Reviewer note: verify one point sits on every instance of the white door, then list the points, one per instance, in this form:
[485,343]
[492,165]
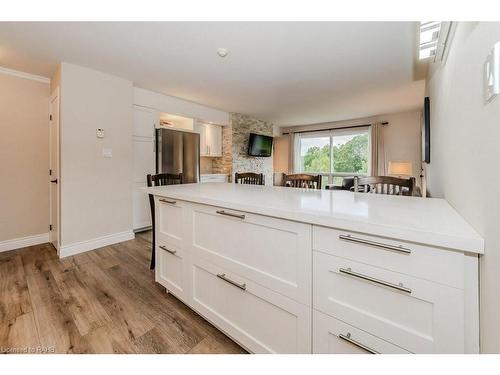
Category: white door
[54,169]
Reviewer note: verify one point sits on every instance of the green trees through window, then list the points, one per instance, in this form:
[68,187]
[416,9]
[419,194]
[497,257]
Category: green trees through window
[317,159]
[350,155]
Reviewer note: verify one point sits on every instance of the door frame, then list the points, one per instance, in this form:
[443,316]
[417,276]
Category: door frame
[55,96]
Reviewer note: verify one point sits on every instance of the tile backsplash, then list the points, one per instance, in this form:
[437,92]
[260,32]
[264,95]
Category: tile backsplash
[206,165]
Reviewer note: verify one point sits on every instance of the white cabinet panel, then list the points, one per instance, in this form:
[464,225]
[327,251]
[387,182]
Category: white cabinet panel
[434,264]
[203,130]
[172,229]
[144,159]
[144,162]
[215,140]
[171,269]
[415,314]
[275,253]
[210,139]
[145,121]
[171,222]
[331,336]
[141,207]
[259,319]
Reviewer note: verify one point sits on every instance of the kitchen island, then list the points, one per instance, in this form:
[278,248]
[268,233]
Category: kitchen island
[285,270]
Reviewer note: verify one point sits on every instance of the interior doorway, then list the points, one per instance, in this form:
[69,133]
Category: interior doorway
[54,182]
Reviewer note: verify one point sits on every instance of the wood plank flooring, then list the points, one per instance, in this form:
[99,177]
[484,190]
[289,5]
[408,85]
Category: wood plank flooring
[102,301]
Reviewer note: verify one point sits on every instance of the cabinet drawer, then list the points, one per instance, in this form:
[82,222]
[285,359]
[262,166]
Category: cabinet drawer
[259,319]
[274,253]
[415,314]
[331,336]
[434,264]
[170,222]
[171,269]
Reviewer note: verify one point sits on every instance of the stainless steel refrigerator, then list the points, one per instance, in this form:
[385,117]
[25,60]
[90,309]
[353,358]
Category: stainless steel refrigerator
[178,152]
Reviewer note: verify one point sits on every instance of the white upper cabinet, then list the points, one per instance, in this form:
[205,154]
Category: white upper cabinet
[215,140]
[145,122]
[210,139]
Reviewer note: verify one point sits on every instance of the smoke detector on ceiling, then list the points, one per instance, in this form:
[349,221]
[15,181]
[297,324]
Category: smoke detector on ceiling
[222,52]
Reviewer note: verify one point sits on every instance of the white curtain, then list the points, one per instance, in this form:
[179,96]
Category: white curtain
[291,152]
[378,162]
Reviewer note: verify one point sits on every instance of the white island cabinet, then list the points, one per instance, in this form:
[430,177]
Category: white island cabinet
[284,270]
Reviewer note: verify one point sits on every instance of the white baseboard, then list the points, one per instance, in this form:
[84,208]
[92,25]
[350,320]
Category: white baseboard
[18,243]
[95,243]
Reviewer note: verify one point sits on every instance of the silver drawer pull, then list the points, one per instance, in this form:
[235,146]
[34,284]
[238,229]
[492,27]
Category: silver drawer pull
[399,249]
[358,344]
[400,287]
[223,277]
[168,250]
[167,201]
[222,212]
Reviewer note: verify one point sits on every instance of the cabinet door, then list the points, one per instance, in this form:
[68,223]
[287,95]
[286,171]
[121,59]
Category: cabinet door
[144,159]
[414,314]
[172,258]
[259,319]
[203,130]
[272,252]
[332,336]
[145,121]
[171,269]
[215,140]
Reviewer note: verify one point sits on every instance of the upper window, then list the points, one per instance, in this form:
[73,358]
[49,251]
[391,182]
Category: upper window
[429,35]
[337,152]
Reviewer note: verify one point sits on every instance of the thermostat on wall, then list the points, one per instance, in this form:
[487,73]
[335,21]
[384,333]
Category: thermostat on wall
[99,133]
[492,73]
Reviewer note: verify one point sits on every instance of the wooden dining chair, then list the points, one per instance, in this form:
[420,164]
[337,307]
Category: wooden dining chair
[249,178]
[302,181]
[384,185]
[159,180]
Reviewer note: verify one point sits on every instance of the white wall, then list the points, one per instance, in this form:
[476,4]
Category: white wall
[465,139]
[402,139]
[24,157]
[96,192]
[172,105]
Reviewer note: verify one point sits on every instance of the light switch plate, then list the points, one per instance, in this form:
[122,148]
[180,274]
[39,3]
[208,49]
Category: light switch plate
[99,133]
[107,152]
[492,74]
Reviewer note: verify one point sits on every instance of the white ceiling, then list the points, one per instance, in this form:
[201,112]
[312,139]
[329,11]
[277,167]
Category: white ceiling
[287,73]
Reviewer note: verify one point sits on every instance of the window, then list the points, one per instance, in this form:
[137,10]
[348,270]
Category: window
[429,35]
[334,154]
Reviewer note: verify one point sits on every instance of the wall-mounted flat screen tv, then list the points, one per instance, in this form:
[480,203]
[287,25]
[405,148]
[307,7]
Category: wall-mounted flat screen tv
[260,145]
[426,131]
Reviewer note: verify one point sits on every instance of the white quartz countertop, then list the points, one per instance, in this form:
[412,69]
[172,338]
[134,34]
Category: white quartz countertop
[428,221]
[213,174]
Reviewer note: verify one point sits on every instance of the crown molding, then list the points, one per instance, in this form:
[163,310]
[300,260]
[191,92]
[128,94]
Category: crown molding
[17,73]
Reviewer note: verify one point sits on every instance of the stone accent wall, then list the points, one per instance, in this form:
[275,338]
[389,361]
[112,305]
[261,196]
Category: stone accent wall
[235,147]
[225,163]
[242,126]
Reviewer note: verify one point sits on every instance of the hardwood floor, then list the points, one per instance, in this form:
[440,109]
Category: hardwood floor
[102,301]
